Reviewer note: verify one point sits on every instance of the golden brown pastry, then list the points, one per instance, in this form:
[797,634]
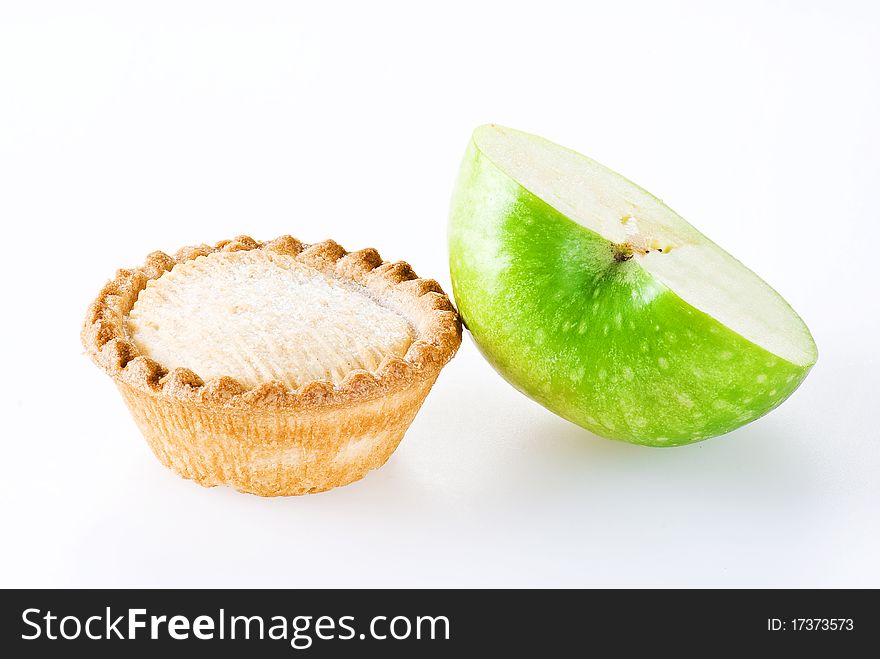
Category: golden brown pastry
[277,368]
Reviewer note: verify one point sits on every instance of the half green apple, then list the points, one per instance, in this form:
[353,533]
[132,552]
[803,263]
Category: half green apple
[594,298]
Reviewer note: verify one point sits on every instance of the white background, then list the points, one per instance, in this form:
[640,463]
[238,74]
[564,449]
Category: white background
[126,129]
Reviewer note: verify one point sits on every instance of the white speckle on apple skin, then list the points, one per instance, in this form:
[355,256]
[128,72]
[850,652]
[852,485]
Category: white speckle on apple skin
[650,290]
[627,373]
[618,320]
[663,363]
[760,379]
[772,392]
[640,422]
[684,399]
[725,355]
[605,329]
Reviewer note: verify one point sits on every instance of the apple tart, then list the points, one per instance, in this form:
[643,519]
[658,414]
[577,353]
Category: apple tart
[277,368]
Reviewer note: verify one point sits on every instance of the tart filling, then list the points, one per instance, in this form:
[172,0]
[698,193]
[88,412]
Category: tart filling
[261,317]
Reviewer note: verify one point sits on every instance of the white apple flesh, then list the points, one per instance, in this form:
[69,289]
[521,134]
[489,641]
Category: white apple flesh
[593,297]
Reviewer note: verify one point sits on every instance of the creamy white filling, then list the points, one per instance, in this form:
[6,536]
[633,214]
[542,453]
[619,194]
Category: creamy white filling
[259,317]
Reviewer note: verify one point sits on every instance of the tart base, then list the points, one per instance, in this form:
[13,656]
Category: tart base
[275,453]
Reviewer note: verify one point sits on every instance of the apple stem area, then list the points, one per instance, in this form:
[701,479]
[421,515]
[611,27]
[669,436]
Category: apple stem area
[625,251]
[622,252]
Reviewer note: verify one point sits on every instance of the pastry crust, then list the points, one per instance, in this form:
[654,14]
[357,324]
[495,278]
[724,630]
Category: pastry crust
[270,439]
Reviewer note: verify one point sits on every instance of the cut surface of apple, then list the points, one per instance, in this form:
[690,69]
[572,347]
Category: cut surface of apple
[594,298]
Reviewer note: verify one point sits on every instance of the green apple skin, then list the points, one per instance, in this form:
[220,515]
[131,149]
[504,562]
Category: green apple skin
[598,341]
